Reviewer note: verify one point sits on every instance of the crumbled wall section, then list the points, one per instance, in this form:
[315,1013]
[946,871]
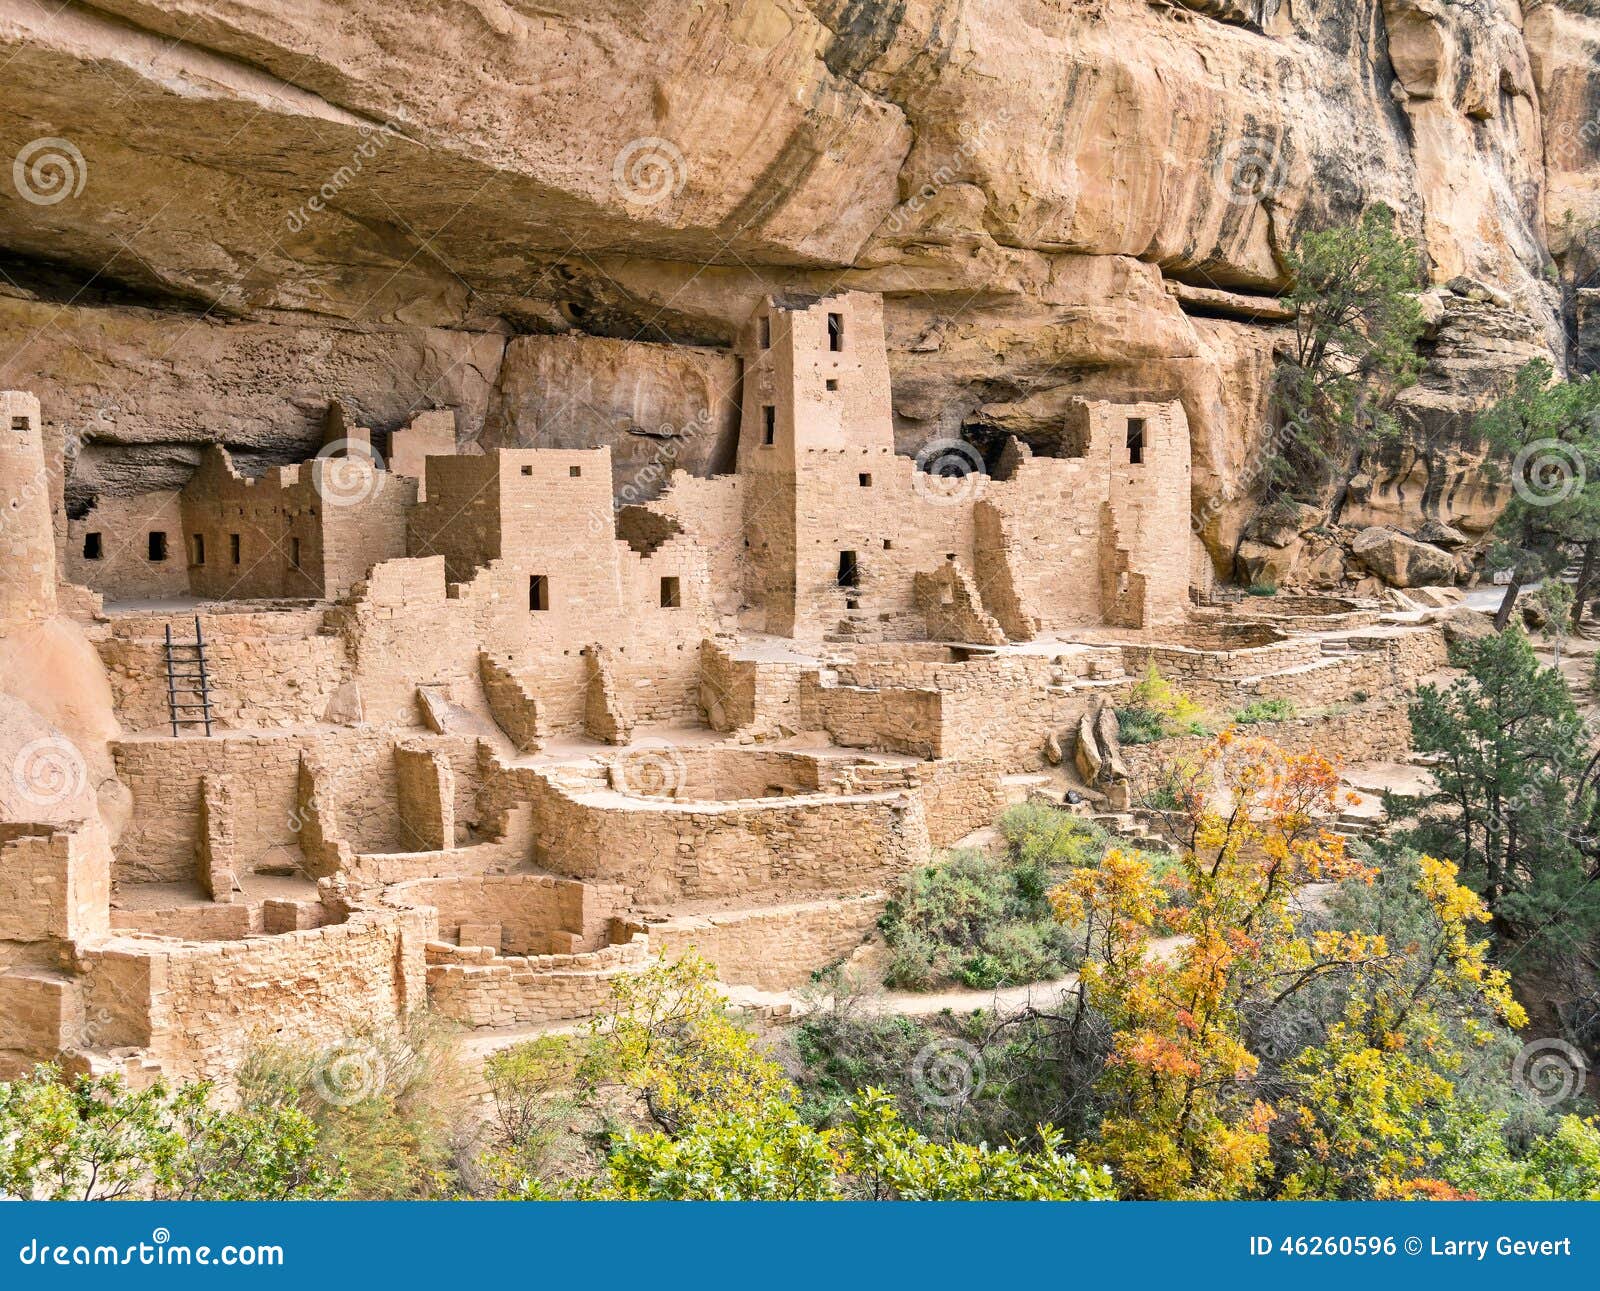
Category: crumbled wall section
[217,859]
[606,715]
[425,786]
[952,609]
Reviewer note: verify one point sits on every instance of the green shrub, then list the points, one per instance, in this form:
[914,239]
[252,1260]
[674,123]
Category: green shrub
[1261,589]
[1157,710]
[1265,710]
[982,921]
[391,1104]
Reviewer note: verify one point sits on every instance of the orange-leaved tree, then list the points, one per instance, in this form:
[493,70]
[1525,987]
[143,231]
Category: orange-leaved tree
[1180,1118]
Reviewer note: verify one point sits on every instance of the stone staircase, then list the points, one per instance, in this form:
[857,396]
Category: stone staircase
[1129,828]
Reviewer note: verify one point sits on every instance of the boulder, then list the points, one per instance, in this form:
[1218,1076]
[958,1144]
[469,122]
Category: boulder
[1402,561]
[1260,565]
[1443,535]
[1462,624]
[1087,755]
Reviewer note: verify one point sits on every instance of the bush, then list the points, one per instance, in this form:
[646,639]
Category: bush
[1265,710]
[390,1104]
[981,921]
[1261,589]
[1157,710]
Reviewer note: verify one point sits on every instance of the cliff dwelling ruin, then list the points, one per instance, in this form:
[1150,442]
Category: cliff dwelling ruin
[405,726]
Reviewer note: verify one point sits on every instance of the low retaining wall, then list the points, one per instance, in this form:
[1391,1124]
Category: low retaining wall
[478,988]
[774,948]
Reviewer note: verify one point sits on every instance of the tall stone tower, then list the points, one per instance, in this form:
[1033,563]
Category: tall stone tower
[815,421]
[27,541]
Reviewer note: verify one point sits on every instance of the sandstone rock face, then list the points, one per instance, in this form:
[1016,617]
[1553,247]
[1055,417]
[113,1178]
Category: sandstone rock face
[660,407]
[235,210]
[1402,561]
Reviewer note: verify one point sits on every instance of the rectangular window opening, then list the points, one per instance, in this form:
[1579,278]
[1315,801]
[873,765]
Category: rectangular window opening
[887,545]
[766,333]
[294,552]
[769,423]
[864,480]
[836,332]
[831,383]
[158,545]
[538,592]
[20,423]
[199,549]
[849,570]
[670,597]
[1136,440]
[93,546]
[527,470]
[574,472]
[233,547]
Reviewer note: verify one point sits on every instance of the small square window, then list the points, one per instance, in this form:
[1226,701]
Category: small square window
[766,333]
[574,472]
[199,549]
[93,547]
[20,423]
[887,545]
[158,545]
[233,547]
[831,383]
[836,332]
[769,423]
[538,592]
[670,597]
[527,470]
[864,480]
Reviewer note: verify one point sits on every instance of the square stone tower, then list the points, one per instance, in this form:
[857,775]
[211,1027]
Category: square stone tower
[815,421]
[27,538]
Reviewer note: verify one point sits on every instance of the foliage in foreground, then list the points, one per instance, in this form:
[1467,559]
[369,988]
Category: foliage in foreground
[1508,806]
[91,1138]
[1362,1050]
[729,1126]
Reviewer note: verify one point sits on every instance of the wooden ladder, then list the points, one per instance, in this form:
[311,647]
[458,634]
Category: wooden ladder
[188,687]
